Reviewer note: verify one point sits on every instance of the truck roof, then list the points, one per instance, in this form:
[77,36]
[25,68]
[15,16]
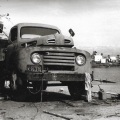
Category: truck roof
[37,25]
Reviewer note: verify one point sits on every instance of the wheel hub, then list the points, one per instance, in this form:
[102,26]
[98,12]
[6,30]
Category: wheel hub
[13,82]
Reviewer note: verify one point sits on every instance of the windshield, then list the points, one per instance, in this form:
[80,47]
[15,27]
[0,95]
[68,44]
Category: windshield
[31,32]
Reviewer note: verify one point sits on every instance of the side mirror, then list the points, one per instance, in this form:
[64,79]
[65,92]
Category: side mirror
[1,27]
[71,32]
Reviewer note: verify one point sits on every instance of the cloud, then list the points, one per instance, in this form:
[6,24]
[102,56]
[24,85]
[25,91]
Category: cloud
[95,22]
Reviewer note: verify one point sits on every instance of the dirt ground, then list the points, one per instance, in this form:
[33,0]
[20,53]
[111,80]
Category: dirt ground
[58,101]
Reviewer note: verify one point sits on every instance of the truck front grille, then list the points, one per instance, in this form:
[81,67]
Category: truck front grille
[59,61]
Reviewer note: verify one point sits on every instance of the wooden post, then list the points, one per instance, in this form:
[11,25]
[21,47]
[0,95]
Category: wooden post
[57,115]
[88,81]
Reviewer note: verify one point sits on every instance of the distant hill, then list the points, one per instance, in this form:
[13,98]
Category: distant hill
[106,50]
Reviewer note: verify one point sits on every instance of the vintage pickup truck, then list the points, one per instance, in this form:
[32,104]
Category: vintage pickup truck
[36,54]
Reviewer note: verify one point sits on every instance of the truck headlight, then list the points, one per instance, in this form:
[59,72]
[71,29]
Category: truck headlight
[36,58]
[80,60]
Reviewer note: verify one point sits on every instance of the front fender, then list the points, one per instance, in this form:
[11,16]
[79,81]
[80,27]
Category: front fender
[86,67]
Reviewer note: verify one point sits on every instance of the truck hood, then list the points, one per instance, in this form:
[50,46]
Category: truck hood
[52,40]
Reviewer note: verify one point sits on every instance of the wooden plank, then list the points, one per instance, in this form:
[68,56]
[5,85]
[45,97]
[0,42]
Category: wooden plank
[57,115]
[88,87]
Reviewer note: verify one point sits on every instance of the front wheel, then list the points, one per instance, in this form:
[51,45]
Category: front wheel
[76,89]
[18,86]
[81,89]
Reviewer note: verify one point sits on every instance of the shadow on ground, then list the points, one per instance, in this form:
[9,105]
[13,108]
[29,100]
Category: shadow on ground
[47,96]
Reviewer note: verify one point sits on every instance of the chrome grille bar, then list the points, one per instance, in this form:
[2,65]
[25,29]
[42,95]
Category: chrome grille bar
[60,59]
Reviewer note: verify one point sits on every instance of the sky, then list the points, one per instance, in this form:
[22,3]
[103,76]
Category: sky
[95,22]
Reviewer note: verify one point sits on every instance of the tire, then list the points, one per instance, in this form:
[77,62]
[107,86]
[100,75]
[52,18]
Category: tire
[2,82]
[18,86]
[76,89]
[2,88]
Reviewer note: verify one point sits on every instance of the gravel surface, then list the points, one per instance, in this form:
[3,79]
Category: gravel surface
[56,100]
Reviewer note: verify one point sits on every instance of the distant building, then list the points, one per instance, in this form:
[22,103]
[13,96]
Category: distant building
[113,59]
[103,60]
[118,59]
[106,59]
[98,58]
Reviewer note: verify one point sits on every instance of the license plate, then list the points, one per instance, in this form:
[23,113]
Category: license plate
[33,68]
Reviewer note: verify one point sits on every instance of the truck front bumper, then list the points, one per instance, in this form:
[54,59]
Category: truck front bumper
[55,76]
